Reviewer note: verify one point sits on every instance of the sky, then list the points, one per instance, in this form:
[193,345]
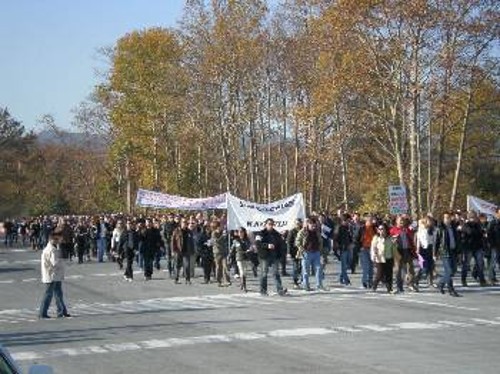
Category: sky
[49,50]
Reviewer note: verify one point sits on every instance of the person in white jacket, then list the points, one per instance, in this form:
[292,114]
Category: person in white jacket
[52,267]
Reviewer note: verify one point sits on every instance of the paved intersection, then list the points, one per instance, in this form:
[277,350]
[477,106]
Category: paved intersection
[157,327]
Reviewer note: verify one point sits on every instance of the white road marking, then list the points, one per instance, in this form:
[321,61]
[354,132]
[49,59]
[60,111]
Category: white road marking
[241,337]
[417,326]
[485,321]
[376,328]
[30,280]
[433,303]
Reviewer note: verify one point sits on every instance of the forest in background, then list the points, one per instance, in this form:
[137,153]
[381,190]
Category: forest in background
[335,99]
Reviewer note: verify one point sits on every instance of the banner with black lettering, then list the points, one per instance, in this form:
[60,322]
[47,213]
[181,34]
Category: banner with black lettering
[158,200]
[252,216]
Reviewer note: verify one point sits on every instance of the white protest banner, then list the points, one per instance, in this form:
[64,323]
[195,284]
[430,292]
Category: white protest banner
[252,216]
[152,199]
[481,206]
[398,203]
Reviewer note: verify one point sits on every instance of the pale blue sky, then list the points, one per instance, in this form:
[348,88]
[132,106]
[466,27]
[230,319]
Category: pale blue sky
[49,49]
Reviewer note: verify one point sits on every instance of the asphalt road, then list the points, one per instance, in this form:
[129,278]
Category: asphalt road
[160,327]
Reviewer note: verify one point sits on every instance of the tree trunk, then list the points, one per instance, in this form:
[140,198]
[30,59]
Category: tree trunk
[253,163]
[129,189]
[200,188]
[345,185]
[296,159]
[429,167]
[463,136]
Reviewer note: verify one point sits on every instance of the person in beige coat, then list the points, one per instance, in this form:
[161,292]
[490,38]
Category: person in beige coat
[52,267]
[383,251]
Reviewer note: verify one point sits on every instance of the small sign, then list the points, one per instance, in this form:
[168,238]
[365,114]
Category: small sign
[398,202]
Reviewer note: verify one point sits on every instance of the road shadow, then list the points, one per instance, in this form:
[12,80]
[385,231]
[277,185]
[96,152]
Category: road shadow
[15,269]
[94,334]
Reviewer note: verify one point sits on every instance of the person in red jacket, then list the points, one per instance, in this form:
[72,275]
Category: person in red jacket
[403,235]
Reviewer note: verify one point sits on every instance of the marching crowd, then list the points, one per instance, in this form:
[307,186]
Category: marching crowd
[385,247]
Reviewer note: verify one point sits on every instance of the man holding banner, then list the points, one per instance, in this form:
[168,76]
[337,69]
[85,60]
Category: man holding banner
[270,245]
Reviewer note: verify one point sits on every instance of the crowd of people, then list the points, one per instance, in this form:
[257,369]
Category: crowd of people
[395,251]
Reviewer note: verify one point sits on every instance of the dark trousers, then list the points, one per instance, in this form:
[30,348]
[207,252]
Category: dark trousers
[148,263]
[66,250]
[207,264]
[354,259]
[129,255]
[478,256]
[283,264]
[384,273]
[428,268]
[265,265]
[177,264]
[80,251]
[53,289]
[296,270]
[186,264]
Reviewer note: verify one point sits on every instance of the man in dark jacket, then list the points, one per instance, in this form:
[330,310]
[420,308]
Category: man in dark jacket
[446,248]
[292,250]
[152,244]
[129,244]
[472,246]
[270,244]
[183,246]
[168,228]
[493,233]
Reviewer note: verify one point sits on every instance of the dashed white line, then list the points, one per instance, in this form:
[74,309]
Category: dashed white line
[242,337]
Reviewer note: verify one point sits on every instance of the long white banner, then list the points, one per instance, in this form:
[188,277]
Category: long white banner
[481,206]
[252,216]
[152,199]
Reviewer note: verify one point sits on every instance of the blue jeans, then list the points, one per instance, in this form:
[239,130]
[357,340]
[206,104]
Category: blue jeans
[345,263]
[448,271]
[478,260]
[312,259]
[53,289]
[492,264]
[366,266]
[101,248]
[265,264]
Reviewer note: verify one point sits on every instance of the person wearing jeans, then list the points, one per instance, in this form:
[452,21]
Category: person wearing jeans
[309,243]
[52,269]
[493,235]
[345,245]
[102,239]
[446,249]
[473,247]
[270,244]
[365,237]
